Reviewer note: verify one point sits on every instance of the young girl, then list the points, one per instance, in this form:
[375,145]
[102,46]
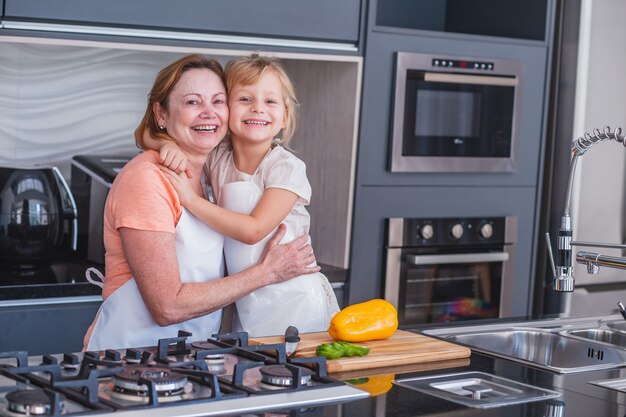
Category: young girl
[257,185]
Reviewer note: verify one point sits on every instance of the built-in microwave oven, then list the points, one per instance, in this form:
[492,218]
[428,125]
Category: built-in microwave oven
[455,114]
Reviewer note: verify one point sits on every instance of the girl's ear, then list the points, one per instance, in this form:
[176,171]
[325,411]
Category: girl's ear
[285,118]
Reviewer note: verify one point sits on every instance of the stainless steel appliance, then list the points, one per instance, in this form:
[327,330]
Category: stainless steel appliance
[218,376]
[448,269]
[37,217]
[455,114]
[92,177]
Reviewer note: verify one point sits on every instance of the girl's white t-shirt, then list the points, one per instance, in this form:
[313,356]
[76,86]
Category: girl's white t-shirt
[308,301]
[279,169]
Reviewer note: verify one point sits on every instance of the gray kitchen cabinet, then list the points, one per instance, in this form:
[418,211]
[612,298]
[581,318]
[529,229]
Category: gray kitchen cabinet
[497,18]
[381,193]
[46,327]
[327,20]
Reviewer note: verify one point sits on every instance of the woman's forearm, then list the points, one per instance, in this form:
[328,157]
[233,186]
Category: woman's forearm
[171,301]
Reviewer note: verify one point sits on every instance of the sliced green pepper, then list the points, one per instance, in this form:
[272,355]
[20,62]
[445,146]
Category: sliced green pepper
[339,349]
[353,350]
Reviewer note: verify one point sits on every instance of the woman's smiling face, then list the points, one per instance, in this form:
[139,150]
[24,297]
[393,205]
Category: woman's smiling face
[197,111]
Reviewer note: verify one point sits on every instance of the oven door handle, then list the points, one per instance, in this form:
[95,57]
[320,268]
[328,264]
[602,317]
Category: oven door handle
[458,259]
[470,79]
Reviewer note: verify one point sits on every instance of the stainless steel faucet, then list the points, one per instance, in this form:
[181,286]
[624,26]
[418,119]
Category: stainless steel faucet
[563,270]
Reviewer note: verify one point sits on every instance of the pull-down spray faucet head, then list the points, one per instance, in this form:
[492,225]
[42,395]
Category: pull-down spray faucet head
[563,270]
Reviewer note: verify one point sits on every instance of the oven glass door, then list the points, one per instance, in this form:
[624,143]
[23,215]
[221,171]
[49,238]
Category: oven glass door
[449,287]
[458,115]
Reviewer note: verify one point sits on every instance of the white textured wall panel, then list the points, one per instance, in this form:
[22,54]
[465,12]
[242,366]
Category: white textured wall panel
[57,101]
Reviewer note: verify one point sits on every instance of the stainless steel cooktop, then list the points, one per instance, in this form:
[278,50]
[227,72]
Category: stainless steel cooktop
[176,377]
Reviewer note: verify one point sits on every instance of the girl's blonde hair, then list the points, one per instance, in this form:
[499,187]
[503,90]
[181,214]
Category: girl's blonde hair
[163,85]
[248,70]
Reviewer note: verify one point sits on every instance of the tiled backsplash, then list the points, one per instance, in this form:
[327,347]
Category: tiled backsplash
[57,101]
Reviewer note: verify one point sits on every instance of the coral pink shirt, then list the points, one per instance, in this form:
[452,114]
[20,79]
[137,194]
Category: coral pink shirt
[141,198]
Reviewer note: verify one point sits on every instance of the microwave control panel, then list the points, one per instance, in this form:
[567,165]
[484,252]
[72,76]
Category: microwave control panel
[463,64]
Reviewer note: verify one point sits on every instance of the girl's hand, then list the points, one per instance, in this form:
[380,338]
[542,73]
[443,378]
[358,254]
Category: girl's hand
[181,184]
[173,158]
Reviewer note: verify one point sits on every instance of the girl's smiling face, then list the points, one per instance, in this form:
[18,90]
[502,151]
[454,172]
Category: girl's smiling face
[257,111]
[197,112]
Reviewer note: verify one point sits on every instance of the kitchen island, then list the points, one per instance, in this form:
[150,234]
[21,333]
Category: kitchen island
[241,374]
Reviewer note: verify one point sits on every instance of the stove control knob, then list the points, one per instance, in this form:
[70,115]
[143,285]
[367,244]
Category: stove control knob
[49,360]
[486,230]
[112,355]
[427,232]
[132,356]
[70,361]
[456,231]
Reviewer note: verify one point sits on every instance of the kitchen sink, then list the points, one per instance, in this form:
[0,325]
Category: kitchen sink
[606,336]
[553,351]
[563,347]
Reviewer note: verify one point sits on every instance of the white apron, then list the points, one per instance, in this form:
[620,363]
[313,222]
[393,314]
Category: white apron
[307,302]
[124,320]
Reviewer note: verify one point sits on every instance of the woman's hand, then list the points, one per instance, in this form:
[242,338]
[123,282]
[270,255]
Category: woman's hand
[286,261]
[182,185]
[173,157]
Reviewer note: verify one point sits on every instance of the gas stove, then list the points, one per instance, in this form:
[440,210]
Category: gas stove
[221,375]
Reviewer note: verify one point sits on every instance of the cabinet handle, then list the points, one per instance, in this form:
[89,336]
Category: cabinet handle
[457,259]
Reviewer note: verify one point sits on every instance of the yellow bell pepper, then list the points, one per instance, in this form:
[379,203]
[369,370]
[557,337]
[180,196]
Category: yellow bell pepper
[372,320]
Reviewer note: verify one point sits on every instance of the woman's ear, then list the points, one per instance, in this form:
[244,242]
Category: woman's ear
[159,114]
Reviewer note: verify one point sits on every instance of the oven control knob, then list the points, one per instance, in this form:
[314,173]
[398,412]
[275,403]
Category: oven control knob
[427,232]
[456,231]
[486,230]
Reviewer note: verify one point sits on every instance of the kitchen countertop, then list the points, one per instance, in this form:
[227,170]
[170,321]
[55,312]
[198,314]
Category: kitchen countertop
[64,278]
[579,398]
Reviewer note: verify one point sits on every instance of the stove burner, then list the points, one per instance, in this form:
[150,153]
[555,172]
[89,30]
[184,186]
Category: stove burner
[206,345]
[32,402]
[280,375]
[165,381]
[215,363]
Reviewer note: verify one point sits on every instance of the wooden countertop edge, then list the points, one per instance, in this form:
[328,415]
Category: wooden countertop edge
[351,365]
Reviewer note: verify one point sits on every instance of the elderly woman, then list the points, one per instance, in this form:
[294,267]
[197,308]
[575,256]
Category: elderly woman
[162,264]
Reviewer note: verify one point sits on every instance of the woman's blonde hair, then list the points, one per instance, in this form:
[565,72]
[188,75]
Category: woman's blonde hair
[247,70]
[163,85]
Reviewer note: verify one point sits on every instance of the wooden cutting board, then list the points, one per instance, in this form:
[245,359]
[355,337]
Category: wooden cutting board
[401,348]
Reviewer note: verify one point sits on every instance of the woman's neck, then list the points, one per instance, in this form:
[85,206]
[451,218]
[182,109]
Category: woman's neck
[248,156]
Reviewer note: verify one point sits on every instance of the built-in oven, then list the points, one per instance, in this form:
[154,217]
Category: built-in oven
[450,269]
[455,114]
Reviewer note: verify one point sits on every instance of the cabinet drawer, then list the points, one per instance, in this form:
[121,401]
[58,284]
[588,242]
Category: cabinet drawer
[43,328]
[329,20]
